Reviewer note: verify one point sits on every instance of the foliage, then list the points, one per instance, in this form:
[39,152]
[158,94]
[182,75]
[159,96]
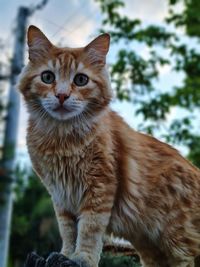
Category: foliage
[108,260]
[34,225]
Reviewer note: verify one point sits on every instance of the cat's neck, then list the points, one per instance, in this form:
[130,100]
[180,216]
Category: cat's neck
[71,136]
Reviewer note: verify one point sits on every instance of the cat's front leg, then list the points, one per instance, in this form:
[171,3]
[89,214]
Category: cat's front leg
[68,232]
[91,228]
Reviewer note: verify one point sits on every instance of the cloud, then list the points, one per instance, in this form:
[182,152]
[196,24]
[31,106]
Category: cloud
[149,11]
[79,33]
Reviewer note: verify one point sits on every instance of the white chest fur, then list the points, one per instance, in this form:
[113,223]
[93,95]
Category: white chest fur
[64,179]
[67,197]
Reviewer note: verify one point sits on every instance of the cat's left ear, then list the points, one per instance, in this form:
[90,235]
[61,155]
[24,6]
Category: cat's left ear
[97,50]
[38,43]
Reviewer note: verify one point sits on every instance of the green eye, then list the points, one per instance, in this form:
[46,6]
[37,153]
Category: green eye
[81,79]
[48,77]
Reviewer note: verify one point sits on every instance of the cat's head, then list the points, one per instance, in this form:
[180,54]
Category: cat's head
[65,83]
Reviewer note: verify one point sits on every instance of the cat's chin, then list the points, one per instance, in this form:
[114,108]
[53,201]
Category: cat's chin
[62,114]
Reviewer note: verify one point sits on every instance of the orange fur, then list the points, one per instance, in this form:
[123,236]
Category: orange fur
[102,175]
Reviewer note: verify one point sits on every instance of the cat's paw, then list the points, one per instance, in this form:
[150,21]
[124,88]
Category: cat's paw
[56,259]
[34,260]
[66,252]
[84,259]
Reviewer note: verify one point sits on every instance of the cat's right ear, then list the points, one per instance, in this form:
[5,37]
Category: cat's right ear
[38,44]
[97,50]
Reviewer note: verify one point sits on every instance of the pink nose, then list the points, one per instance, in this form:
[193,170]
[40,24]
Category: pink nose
[62,97]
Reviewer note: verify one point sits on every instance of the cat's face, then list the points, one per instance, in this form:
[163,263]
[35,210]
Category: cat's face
[63,82]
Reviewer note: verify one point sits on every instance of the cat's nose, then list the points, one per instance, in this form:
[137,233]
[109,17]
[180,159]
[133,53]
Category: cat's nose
[62,97]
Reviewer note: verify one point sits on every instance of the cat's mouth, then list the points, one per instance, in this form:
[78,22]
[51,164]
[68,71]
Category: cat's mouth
[62,109]
[63,112]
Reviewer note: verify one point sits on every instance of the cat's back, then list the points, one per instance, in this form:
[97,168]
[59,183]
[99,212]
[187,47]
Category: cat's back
[148,152]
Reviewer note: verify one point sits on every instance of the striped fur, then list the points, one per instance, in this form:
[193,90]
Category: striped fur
[102,175]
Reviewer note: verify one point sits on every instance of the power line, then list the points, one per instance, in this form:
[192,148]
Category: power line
[51,22]
[82,22]
[68,19]
[72,15]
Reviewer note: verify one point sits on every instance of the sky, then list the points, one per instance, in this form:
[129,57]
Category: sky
[74,23]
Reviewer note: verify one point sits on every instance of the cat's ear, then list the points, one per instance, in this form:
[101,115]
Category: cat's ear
[97,50]
[38,44]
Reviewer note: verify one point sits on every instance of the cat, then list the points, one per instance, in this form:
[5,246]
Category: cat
[104,177]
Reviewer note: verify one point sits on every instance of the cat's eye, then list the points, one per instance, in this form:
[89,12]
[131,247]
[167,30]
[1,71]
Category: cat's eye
[81,79]
[48,76]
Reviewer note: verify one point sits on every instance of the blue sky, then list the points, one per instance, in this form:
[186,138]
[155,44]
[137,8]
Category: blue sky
[74,23]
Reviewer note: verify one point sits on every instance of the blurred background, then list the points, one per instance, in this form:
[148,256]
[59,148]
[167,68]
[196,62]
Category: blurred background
[154,62]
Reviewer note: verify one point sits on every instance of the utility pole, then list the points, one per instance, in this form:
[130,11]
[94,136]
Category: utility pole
[11,127]
[10,138]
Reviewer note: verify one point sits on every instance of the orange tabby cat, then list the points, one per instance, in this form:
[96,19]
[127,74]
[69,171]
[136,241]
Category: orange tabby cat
[102,175]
